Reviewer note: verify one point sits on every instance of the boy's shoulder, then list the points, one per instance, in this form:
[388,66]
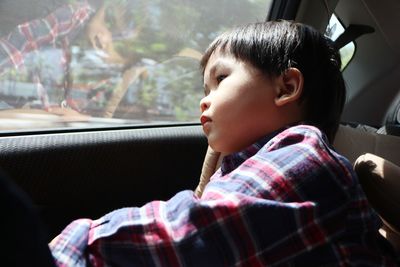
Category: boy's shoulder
[306,141]
[298,134]
[304,129]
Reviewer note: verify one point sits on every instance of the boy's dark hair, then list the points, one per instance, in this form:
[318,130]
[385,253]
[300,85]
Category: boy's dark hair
[276,46]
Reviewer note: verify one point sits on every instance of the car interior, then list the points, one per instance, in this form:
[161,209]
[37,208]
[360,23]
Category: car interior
[85,172]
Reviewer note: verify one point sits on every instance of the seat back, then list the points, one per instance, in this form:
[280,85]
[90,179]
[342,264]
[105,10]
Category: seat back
[376,158]
[352,143]
[380,180]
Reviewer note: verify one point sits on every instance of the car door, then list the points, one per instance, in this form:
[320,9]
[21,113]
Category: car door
[104,113]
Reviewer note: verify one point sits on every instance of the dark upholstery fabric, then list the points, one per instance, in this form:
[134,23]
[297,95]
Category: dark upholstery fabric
[22,234]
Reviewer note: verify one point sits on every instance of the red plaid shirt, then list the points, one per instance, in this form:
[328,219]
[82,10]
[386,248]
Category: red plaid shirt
[288,199]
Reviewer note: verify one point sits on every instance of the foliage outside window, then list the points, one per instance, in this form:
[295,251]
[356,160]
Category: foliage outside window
[112,62]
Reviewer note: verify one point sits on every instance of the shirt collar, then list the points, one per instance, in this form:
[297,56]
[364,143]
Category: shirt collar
[232,161]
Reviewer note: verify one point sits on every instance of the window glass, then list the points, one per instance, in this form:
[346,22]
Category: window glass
[85,63]
[333,31]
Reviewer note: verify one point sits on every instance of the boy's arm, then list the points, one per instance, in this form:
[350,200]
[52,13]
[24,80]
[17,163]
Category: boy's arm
[286,200]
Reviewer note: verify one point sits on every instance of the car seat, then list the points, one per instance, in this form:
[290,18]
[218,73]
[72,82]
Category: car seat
[380,180]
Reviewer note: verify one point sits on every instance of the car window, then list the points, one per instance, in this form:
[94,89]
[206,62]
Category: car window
[66,63]
[334,29]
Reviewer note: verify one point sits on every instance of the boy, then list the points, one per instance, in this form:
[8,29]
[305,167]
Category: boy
[281,197]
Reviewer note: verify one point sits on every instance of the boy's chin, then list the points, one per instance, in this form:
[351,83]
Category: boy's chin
[221,148]
[215,147]
[222,143]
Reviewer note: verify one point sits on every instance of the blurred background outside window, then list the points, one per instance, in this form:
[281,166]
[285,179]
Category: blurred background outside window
[108,62]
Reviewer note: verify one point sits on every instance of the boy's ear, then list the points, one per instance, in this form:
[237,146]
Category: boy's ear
[290,87]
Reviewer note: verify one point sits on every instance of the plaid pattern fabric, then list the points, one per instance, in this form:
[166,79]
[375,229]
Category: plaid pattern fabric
[65,22]
[287,200]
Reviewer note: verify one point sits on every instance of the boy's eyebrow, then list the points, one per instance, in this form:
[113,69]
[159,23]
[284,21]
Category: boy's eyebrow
[211,73]
[206,89]
[213,68]
[217,64]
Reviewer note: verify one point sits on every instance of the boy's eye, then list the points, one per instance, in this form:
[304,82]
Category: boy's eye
[220,78]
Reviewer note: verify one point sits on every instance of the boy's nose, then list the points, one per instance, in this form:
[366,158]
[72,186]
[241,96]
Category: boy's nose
[204,104]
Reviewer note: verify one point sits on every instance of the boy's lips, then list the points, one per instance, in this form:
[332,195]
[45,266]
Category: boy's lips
[204,120]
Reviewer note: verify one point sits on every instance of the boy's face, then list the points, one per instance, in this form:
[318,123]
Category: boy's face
[239,106]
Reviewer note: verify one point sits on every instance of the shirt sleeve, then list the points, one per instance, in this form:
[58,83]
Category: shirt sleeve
[287,199]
